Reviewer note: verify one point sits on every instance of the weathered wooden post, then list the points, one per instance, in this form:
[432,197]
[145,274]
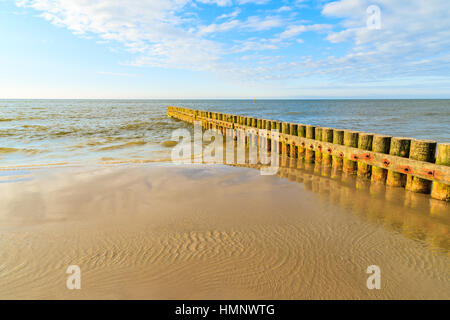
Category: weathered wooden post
[365,143]
[284,130]
[337,161]
[318,137]
[327,136]
[380,144]
[422,150]
[441,191]
[293,148]
[278,123]
[309,154]
[350,140]
[400,148]
[301,132]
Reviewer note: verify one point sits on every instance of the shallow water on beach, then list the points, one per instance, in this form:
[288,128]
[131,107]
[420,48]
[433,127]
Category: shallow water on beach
[203,232]
[38,132]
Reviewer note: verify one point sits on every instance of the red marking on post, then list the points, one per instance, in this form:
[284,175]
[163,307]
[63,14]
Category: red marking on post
[367,156]
[386,163]
[405,169]
[320,147]
[311,147]
[429,173]
[355,157]
[330,151]
[293,143]
[341,154]
[303,144]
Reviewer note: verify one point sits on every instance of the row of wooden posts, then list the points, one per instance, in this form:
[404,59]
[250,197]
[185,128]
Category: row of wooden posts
[421,166]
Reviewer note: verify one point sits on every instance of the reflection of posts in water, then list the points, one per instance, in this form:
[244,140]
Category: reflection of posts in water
[362,184]
[416,200]
[335,191]
[439,208]
[378,189]
[274,156]
[317,167]
[213,152]
[439,237]
[252,147]
[396,210]
[326,170]
[240,148]
[229,147]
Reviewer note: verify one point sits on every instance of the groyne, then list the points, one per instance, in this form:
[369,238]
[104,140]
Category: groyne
[420,166]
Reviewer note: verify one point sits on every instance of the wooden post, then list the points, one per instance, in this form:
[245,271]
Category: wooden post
[273,126]
[285,130]
[337,162]
[280,144]
[293,132]
[422,150]
[399,147]
[309,154]
[301,132]
[268,124]
[380,144]
[350,140]
[327,136]
[318,137]
[365,143]
[441,191]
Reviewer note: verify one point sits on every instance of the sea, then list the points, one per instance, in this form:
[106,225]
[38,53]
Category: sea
[61,132]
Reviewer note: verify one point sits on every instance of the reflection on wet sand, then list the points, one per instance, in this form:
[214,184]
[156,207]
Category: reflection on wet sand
[214,232]
[413,215]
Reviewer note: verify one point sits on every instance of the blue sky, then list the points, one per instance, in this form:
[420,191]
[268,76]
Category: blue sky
[224,49]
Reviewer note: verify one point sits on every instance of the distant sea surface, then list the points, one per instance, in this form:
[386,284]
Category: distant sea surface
[40,132]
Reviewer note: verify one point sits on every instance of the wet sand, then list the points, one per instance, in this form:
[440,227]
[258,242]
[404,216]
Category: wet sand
[215,232]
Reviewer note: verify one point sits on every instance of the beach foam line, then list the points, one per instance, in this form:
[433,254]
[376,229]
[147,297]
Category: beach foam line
[31,166]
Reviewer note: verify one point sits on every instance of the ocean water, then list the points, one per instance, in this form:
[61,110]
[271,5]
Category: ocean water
[40,132]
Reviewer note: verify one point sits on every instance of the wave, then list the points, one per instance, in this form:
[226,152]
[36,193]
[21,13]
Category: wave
[124,145]
[169,143]
[14,150]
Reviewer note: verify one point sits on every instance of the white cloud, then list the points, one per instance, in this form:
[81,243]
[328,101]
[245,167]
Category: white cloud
[293,31]
[233,14]
[411,31]
[156,29]
[414,39]
[253,23]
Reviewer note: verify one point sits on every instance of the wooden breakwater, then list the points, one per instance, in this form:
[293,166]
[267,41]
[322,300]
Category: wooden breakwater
[420,166]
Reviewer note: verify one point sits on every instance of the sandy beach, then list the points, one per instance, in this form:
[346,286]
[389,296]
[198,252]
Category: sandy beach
[161,231]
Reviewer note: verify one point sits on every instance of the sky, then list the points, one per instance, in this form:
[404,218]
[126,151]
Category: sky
[225,49]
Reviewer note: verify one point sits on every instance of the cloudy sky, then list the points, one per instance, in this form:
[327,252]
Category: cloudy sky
[224,49]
